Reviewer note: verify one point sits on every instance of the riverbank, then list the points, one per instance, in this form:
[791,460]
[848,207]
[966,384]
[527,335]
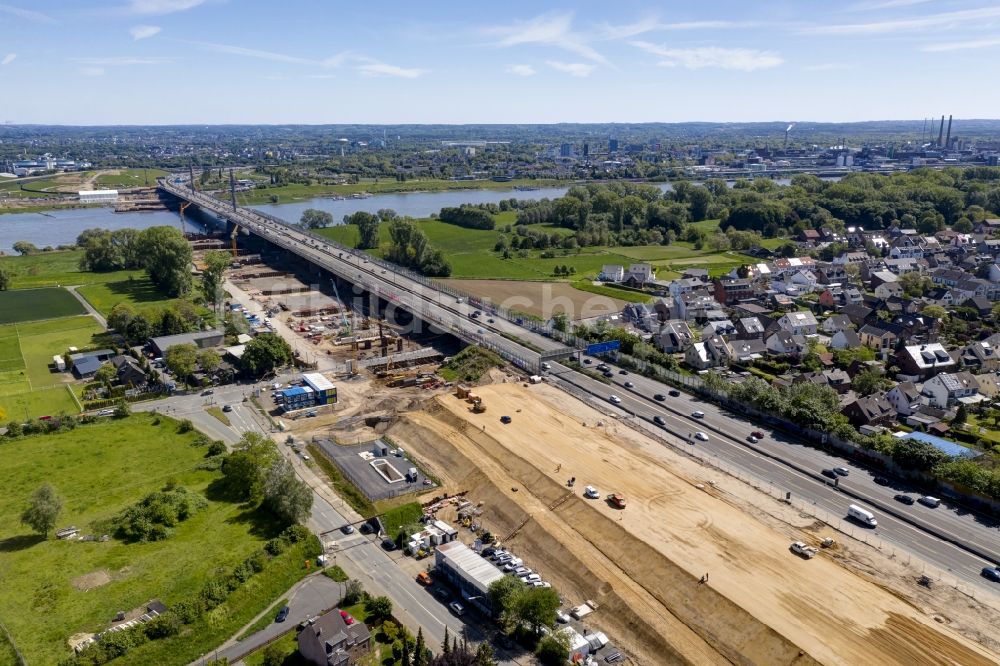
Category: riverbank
[295,192]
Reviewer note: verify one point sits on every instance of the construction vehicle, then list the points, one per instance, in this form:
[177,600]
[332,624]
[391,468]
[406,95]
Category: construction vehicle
[802,550]
[617,500]
[478,407]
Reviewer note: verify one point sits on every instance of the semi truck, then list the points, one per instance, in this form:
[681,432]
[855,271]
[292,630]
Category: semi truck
[863,516]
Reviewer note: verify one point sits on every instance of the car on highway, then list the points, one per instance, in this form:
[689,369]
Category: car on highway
[490,320]
[587,361]
[603,367]
[932,502]
[991,573]
[752,439]
[698,415]
[457,608]
[623,372]
[629,385]
[674,393]
[829,473]
[700,436]
[615,399]
[659,420]
[758,434]
[347,529]
[609,374]
[282,614]
[659,397]
[904,498]
[881,480]
[842,471]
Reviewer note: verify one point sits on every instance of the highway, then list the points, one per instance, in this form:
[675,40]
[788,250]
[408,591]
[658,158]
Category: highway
[780,460]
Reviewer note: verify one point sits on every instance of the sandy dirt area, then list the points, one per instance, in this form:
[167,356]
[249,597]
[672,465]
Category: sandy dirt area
[761,604]
[542,299]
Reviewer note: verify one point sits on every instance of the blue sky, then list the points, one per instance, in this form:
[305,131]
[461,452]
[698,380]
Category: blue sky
[243,61]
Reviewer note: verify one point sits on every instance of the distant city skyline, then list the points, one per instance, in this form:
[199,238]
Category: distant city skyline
[240,62]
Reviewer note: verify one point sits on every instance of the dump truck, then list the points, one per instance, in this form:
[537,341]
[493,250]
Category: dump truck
[617,500]
[478,407]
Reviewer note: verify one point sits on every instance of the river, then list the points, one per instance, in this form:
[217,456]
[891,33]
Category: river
[61,227]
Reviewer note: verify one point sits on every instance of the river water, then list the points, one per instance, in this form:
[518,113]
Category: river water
[61,227]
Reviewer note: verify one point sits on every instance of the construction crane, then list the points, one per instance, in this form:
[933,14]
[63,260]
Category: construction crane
[232,237]
[184,204]
[345,325]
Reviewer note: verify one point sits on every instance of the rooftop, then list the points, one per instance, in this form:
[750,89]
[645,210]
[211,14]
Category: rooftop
[944,445]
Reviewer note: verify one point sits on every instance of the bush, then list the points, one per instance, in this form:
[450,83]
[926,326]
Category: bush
[214,593]
[216,448]
[151,518]
[185,426]
[163,626]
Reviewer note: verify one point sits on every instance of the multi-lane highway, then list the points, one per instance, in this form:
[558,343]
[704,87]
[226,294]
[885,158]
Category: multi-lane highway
[966,543]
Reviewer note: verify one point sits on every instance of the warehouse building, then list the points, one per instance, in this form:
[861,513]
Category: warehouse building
[99,196]
[467,571]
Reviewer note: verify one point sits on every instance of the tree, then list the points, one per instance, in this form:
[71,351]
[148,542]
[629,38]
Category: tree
[120,316]
[43,510]
[914,284]
[166,256]
[501,593]
[560,322]
[867,382]
[935,311]
[536,607]
[961,415]
[182,360]
[216,262]
[208,360]
[446,643]
[4,279]
[553,648]
[289,499]
[315,219]
[420,649]
[244,470]
[24,248]
[264,353]
[484,655]
[139,329]
[379,607]
[274,655]
[355,590]
[105,374]
[368,232]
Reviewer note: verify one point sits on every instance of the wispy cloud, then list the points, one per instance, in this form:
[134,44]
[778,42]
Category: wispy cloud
[163,6]
[745,60]
[27,14]
[92,71]
[122,60]
[552,29]
[827,67]
[578,69]
[607,31]
[9,58]
[961,46]
[143,31]
[520,70]
[936,21]
[383,69]
[884,4]
[363,64]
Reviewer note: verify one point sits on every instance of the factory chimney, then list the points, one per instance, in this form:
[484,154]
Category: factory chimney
[941,132]
[947,139]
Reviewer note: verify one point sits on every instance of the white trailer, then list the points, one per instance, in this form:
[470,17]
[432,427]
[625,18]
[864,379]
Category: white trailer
[59,362]
[863,516]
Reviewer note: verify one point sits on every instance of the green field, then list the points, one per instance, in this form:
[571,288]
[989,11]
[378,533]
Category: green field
[50,269]
[33,304]
[98,470]
[470,252]
[138,291]
[28,385]
[128,178]
[296,192]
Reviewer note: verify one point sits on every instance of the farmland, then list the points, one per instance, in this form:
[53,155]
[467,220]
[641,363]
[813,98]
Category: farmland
[32,304]
[50,269]
[54,589]
[138,291]
[28,386]
[128,178]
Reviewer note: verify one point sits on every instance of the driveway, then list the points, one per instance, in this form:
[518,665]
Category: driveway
[86,304]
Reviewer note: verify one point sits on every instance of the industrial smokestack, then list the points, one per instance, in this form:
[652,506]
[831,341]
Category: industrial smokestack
[947,139]
[787,130]
[941,133]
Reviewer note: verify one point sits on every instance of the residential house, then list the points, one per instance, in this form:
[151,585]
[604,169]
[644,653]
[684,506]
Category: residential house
[128,371]
[857,313]
[980,304]
[718,327]
[851,258]
[925,360]
[988,387]
[612,273]
[640,274]
[674,336]
[835,323]
[335,639]
[845,339]
[700,274]
[799,323]
[751,327]
[830,273]
[640,315]
[872,410]
[905,398]
[710,353]
[882,277]
[728,290]
[851,296]
[86,364]
[747,350]
[879,338]
[809,236]
[948,388]
[785,342]
[888,290]
[981,356]
[829,299]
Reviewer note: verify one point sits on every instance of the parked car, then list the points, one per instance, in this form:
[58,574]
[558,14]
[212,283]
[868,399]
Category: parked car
[388,544]
[700,436]
[347,529]
[658,420]
[799,548]
[698,415]
[842,471]
[505,419]
[659,397]
[488,551]
[227,408]
[674,393]
[282,614]
[457,608]
[562,617]
[905,499]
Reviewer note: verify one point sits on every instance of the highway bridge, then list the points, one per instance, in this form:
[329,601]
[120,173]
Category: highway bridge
[952,538]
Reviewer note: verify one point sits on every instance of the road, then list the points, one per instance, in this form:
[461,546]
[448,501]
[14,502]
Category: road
[780,460]
[795,467]
[87,306]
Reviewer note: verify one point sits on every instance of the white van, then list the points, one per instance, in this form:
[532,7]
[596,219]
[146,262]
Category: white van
[863,516]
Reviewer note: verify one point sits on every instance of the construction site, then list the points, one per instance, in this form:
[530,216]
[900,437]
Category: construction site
[683,563]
